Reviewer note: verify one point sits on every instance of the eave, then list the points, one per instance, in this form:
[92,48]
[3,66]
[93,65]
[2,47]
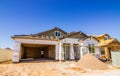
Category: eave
[35,38]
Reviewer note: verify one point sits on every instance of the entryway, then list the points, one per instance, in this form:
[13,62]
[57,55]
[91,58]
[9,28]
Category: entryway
[66,48]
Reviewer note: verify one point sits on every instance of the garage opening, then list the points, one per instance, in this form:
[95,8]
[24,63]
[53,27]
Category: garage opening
[35,51]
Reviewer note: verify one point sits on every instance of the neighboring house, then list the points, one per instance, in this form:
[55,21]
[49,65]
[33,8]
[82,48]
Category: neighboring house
[54,44]
[107,45]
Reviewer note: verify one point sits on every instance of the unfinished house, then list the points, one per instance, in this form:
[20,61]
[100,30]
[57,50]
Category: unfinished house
[107,44]
[54,44]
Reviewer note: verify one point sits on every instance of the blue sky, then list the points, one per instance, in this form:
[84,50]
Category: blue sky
[33,16]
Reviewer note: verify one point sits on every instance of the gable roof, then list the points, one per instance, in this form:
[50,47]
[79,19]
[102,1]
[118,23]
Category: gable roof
[87,38]
[102,35]
[80,34]
[37,35]
[56,29]
[73,33]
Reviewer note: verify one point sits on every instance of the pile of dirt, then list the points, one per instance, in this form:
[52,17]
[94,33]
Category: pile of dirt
[77,69]
[91,62]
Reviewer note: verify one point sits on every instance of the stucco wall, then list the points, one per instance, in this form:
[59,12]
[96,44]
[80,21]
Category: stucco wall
[115,58]
[70,40]
[5,55]
[91,41]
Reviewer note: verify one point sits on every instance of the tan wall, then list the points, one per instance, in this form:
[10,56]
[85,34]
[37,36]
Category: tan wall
[5,55]
[32,52]
[51,53]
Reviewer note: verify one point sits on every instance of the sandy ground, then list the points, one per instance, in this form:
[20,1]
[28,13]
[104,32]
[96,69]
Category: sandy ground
[53,69]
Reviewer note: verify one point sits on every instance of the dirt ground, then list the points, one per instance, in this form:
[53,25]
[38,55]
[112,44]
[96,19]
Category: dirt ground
[67,68]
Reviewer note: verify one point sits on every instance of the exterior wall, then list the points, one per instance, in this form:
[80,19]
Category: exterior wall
[83,51]
[89,41]
[70,40]
[58,52]
[5,55]
[69,51]
[85,44]
[115,58]
[33,41]
[82,46]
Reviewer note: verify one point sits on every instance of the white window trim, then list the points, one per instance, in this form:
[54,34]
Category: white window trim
[55,34]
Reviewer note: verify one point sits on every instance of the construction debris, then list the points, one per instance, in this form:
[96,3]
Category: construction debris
[91,62]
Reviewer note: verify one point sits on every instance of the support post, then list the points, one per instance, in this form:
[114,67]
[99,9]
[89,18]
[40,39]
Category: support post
[61,52]
[107,54]
[56,52]
[72,57]
[16,52]
[81,52]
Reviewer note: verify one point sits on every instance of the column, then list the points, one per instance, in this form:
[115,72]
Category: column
[81,52]
[16,52]
[78,52]
[72,57]
[56,52]
[79,49]
[107,54]
[61,51]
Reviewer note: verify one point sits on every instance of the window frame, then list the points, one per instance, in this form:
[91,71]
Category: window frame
[106,37]
[57,34]
[91,48]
